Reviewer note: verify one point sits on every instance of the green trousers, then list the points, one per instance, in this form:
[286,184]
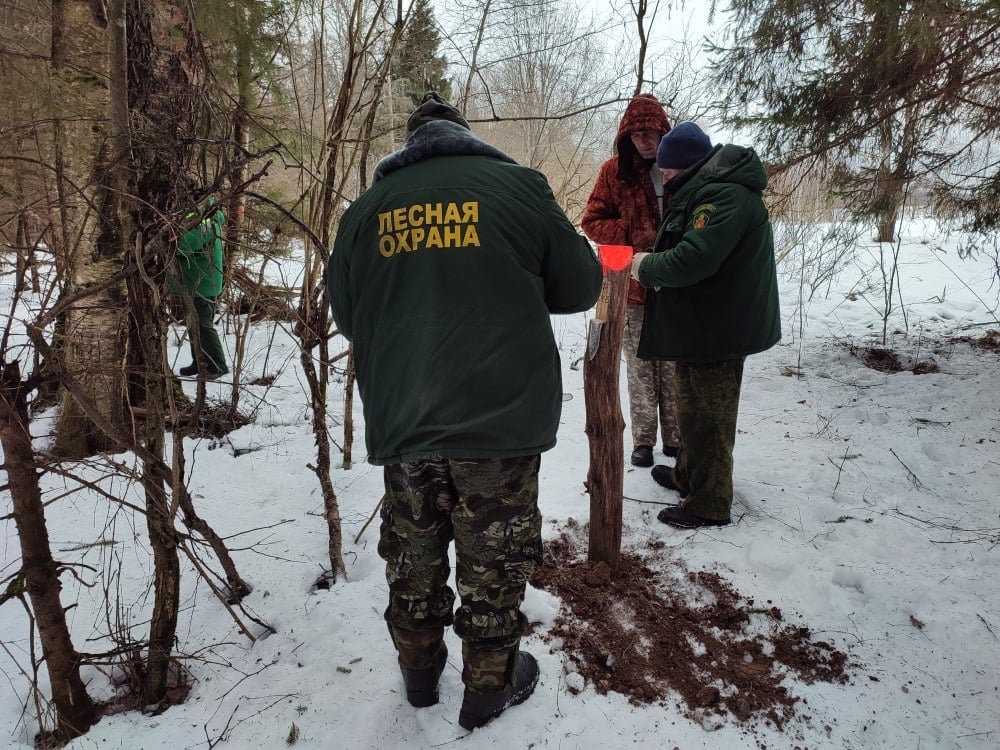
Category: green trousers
[204,337]
[708,400]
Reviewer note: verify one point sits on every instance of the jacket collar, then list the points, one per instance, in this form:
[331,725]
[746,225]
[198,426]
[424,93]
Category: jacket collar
[724,163]
[437,138]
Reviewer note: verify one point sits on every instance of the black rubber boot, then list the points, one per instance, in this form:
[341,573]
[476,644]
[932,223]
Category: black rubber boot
[422,656]
[481,708]
[422,684]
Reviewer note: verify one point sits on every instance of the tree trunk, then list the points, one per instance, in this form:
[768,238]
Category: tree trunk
[25,239]
[887,226]
[639,8]
[236,210]
[314,318]
[605,424]
[314,307]
[241,139]
[349,380]
[94,342]
[888,188]
[75,712]
[166,587]
[160,512]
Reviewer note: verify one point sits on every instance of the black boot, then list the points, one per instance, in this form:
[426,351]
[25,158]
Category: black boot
[642,455]
[682,518]
[481,708]
[422,684]
[188,370]
[664,476]
[422,656]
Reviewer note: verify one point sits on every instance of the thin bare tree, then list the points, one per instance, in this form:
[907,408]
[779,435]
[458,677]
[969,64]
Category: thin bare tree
[75,711]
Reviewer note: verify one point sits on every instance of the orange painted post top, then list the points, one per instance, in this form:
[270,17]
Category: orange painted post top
[615,257]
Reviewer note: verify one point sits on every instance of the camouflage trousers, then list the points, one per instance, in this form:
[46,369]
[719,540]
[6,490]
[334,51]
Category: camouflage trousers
[489,508]
[650,389]
[708,400]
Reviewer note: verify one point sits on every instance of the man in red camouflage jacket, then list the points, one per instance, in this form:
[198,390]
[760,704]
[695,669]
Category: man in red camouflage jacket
[625,208]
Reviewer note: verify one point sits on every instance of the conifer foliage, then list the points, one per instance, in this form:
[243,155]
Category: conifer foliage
[418,64]
[893,94]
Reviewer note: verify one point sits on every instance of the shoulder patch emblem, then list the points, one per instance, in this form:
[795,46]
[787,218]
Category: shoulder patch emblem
[701,215]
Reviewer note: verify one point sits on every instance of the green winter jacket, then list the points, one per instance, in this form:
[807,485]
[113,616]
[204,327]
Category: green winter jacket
[199,255]
[443,275]
[713,264]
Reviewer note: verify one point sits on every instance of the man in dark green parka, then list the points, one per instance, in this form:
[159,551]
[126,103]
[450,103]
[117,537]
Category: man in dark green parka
[714,301]
[199,256]
[443,275]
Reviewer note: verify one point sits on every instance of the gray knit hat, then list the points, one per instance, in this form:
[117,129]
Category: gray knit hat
[433,107]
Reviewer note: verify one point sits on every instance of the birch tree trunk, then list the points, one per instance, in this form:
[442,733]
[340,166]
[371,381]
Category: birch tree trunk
[94,329]
[241,140]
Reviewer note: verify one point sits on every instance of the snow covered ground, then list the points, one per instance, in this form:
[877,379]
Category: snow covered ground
[867,510]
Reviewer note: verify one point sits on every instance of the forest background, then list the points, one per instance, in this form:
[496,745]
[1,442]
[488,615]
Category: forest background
[121,118]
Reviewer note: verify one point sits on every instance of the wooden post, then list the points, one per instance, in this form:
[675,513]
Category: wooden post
[605,423]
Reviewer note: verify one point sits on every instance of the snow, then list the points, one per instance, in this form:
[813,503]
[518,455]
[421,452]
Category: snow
[866,510]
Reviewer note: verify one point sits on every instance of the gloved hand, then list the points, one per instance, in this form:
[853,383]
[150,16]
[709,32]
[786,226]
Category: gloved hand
[636,262]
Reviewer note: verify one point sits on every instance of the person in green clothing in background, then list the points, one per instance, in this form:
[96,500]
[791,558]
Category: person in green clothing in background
[199,256]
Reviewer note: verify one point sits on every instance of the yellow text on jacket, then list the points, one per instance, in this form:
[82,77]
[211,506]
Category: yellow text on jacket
[421,226]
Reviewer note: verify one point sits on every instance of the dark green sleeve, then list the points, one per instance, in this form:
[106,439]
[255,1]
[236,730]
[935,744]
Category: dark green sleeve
[338,283]
[570,269]
[709,237]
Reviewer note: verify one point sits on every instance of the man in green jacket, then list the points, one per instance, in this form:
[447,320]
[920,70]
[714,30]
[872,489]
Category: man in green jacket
[199,255]
[443,275]
[713,301]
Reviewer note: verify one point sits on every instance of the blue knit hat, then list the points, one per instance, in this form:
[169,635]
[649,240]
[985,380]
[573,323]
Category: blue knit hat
[683,146]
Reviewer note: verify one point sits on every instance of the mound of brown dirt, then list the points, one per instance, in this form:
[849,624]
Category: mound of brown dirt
[666,633]
[212,420]
[886,360]
[989,341]
[883,360]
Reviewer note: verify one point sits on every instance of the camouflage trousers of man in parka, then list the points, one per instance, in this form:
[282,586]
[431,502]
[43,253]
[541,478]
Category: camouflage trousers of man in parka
[708,404]
[489,508]
[650,389]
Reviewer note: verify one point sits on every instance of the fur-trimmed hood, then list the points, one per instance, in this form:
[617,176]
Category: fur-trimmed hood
[644,112]
[437,138]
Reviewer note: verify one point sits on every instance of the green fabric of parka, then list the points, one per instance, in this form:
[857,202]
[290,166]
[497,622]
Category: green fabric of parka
[199,255]
[712,288]
[443,275]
